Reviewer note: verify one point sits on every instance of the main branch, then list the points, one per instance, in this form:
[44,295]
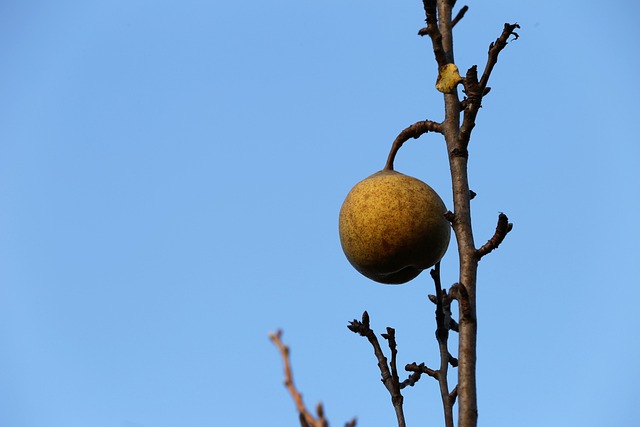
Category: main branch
[457,140]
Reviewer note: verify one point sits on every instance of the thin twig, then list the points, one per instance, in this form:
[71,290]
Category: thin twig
[389,380]
[422,369]
[443,314]
[502,229]
[414,131]
[495,48]
[459,15]
[475,89]
[306,418]
[432,30]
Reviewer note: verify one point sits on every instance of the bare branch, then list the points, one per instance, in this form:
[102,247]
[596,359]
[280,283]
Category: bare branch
[453,395]
[390,381]
[432,30]
[495,49]
[421,369]
[502,229]
[306,418]
[443,315]
[459,292]
[460,15]
[411,379]
[390,336]
[414,131]
[475,89]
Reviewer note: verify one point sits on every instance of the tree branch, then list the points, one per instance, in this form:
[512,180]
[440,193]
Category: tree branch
[476,89]
[433,31]
[443,315]
[495,49]
[502,229]
[305,417]
[389,377]
[459,15]
[421,369]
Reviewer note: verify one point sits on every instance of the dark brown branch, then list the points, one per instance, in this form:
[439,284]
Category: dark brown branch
[453,395]
[390,336]
[472,104]
[306,418]
[502,229]
[390,381]
[443,315]
[414,131]
[459,292]
[494,50]
[432,30]
[411,379]
[459,16]
[421,369]
[475,89]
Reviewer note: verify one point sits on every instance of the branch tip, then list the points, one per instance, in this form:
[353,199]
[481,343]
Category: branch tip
[502,229]
[459,15]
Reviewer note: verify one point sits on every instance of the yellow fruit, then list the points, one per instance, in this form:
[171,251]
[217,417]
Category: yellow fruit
[392,226]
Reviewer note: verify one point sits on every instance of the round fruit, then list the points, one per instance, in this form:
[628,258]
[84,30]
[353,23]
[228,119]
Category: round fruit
[392,226]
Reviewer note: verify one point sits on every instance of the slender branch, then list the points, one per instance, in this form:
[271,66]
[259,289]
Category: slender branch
[443,314]
[476,89]
[459,15]
[414,131]
[306,418]
[453,395]
[502,229]
[389,380]
[415,375]
[421,369]
[390,336]
[460,293]
[495,49]
[433,31]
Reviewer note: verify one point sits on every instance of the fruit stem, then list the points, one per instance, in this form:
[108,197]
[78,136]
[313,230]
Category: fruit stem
[392,155]
[414,131]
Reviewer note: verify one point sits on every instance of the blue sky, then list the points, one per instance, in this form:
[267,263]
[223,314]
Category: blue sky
[170,180]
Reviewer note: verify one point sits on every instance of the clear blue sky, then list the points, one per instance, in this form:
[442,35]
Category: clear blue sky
[170,179]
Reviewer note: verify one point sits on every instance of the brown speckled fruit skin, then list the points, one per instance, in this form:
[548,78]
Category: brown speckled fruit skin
[392,227]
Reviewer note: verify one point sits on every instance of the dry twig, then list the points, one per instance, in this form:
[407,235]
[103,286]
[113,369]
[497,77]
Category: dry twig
[389,375]
[306,418]
[502,229]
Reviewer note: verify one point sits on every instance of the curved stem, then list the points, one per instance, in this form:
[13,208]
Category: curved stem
[414,131]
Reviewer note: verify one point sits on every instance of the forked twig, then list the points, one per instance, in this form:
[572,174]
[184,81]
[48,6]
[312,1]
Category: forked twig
[389,375]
